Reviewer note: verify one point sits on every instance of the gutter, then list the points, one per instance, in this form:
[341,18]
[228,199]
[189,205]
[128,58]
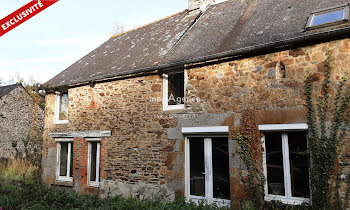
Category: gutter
[303,40]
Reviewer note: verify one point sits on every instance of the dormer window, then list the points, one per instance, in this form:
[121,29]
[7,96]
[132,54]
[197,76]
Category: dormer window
[327,17]
[61,108]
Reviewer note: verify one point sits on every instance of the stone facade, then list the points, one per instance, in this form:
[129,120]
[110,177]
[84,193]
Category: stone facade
[19,115]
[145,152]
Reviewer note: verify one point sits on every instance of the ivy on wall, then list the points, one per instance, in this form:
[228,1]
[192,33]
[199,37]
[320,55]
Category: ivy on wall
[328,121]
[251,151]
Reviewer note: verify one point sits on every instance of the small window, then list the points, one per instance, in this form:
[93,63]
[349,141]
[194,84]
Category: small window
[174,91]
[61,108]
[286,167]
[94,163]
[328,17]
[64,167]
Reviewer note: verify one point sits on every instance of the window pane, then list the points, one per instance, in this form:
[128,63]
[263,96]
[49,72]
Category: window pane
[221,174]
[299,168]
[63,106]
[327,17]
[93,161]
[63,159]
[71,161]
[274,162]
[197,178]
[176,83]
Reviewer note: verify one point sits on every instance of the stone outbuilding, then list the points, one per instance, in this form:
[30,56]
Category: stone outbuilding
[155,108]
[20,118]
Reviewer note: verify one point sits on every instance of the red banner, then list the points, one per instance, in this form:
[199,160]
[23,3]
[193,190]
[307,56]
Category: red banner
[23,14]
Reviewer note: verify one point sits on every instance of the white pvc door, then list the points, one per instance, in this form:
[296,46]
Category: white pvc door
[207,170]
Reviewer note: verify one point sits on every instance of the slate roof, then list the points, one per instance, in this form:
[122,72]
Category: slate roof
[6,89]
[240,24]
[140,48]
[223,27]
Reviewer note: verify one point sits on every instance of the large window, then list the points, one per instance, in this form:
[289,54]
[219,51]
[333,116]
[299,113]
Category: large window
[94,162]
[174,90]
[330,16]
[61,108]
[286,164]
[64,168]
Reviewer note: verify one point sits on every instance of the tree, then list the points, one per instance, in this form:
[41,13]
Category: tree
[118,28]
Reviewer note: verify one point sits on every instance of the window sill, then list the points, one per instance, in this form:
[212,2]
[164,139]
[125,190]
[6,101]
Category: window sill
[285,200]
[66,183]
[61,122]
[180,107]
[94,184]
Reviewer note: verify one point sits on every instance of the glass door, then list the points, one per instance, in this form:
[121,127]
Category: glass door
[207,170]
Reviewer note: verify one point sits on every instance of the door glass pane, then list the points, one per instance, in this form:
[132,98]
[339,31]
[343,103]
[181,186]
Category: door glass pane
[274,163]
[197,178]
[63,159]
[93,161]
[71,161]
[176,91]
[221,174]
[299,168]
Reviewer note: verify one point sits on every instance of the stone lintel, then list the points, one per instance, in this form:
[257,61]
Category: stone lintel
[81,134]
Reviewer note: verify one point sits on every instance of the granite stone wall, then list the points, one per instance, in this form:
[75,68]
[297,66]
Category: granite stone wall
[19,115]
[146,149]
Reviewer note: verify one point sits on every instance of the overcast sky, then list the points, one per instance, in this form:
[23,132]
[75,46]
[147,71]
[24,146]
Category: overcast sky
[60,35]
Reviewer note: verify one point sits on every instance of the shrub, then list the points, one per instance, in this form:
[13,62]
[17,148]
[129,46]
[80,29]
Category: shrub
[20,170]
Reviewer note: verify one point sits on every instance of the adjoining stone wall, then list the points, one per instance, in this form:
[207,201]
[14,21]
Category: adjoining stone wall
[15,126]
[146,149]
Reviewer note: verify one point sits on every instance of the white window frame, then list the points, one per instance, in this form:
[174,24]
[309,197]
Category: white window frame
[283,129]
[68,177]
[98,159]
[190,132]
[345,7]
[57,110]
[166,105]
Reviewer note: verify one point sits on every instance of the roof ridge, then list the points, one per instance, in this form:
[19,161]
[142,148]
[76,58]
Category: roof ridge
[4,90]
[147,24]
[15,84]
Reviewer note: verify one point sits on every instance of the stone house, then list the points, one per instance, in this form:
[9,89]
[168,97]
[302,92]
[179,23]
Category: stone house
[155,108]
[19,114]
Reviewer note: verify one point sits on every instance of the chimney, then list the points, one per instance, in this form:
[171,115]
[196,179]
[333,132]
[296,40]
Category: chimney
[202,4]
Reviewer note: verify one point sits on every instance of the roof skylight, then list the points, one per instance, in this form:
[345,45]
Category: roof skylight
[327,17]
